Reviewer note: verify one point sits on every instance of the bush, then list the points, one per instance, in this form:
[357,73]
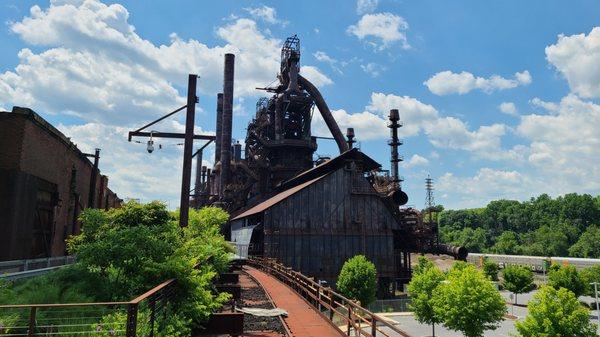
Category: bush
[590,275]
[426,278]
[358,280]
[556,313]
[569,278]
[518,280]
[490,269]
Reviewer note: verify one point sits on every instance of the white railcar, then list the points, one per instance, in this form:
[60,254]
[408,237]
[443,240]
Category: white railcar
[536,263]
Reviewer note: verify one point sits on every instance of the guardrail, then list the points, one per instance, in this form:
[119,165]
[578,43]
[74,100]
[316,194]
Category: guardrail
[334,307]
[46,262]
[144,315]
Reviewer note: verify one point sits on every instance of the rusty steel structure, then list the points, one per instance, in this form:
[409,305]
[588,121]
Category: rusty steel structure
[309,214]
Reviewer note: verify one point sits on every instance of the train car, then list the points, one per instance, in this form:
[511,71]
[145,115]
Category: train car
[536,263]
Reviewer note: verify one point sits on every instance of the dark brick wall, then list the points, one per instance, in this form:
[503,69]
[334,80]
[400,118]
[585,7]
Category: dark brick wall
[31,150]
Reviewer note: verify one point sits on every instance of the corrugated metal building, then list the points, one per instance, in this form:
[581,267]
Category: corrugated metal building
[323,217]
[44,184]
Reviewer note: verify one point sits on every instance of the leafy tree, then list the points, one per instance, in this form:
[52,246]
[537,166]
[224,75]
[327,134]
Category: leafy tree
[588,245]
[426,278]
[358,280]
[490,269]
[518,280]
[569,278]
[546,241]
[468,302]
[556,313]
[590,275]
[506,243]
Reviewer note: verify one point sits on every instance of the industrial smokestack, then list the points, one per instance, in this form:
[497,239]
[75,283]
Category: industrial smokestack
[219,127]
[237,152]
[203,179]
[397,195]
[198,180]
[227,122]
[350,137]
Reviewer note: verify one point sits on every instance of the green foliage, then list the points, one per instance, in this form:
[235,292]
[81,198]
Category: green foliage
[468,301]
[490,269]
[569,278]
[588,245]
[425,279]
[590,275]
[565,226]
[517,279]
[358,280]
[556,313]
[122,253]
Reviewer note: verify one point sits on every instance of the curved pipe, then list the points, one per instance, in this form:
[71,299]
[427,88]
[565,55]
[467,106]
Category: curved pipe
[325,112]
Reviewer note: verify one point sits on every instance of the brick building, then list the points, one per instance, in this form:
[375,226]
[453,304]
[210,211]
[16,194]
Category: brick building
[45,182]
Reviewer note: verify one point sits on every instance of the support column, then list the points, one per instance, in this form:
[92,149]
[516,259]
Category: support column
[186,175]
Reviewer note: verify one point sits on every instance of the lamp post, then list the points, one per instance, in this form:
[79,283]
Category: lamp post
[595,284]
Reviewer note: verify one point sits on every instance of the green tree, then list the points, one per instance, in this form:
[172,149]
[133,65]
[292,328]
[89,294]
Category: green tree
[506,243]
[556,313]
[490,269]
[358,280]
[518,280]
[569,278]
[468,302]
[590,275]
[588,245]
[424,281]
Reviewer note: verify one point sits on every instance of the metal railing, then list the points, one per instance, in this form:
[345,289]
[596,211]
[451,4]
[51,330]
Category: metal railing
[347,316]
[145,316]
[15,266]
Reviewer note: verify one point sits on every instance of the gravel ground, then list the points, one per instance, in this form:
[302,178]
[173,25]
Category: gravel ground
[253,296]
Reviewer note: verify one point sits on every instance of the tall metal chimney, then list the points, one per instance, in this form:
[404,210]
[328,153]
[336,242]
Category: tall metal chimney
[198,180]
[237,151]
[350,137]
[219,127]
[394,142]
[227,122]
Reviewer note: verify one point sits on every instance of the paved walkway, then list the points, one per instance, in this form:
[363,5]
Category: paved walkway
[302,319]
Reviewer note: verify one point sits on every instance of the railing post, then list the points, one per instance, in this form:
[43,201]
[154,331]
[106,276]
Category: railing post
[31,331]
[349,320]
[319,298]
[152,305]
[373,326]
[131,328]
[331,302]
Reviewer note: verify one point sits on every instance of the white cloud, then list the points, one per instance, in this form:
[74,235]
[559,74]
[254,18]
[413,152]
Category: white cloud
[366,6]
[508,108]
[265,13]
[416,160]
[565,145]
[413,113]
[373,69]
[486,185]
[447,82]
[577,57]
[386,28]
[550,106]
[314,75]
[321,56]
[367,125]
[92,50]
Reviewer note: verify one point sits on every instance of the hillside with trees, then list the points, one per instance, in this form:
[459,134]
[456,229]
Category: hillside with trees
[568,225]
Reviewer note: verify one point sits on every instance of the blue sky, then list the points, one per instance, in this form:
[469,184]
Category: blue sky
[499,100]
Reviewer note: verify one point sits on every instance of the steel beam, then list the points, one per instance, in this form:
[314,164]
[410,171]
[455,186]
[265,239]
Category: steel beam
[186,175]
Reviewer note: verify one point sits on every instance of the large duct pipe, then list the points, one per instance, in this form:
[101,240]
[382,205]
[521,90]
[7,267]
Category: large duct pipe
[325,112]
[458,252]
[227,122]
[219,127]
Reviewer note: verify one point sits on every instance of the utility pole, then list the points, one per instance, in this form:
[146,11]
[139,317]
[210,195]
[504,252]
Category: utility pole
[186,175]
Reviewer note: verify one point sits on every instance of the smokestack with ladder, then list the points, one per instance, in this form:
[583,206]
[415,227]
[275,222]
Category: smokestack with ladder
[397,195]
[350,137]
[226,122]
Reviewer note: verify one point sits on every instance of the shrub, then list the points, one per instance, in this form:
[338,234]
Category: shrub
[426,278]
[556,313]
[490,269]
[358,280]
[569,278]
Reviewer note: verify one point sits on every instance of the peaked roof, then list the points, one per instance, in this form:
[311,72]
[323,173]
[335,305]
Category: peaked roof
[275,199]
[331,165]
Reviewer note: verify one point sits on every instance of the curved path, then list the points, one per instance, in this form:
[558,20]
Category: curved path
[302,319]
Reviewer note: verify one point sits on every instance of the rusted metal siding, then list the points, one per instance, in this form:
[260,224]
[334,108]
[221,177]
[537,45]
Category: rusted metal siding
[318,228]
